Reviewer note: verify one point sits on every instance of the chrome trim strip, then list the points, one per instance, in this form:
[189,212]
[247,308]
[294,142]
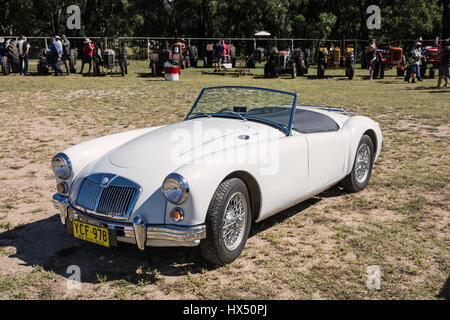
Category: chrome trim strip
[157,232]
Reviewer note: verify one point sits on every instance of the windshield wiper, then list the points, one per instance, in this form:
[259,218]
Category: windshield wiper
[234,112]
[202,114]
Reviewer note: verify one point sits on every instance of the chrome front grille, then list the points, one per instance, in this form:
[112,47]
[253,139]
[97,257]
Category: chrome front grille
[107,195]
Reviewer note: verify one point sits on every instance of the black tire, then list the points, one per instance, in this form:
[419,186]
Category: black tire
[350,182]
[294,71]
[123,67]
[73,61]
[400,72]
[213,247]
[266,70]
[67,65]
[351,73]
[5,66]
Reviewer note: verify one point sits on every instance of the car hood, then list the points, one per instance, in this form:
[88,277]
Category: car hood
[176,144]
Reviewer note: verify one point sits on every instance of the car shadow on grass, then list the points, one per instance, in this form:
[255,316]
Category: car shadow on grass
[45,243]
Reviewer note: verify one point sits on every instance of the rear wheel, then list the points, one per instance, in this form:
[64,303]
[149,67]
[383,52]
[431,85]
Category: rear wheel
[73,61]
[5,66]
[351,73]
[359,177]
[67,65]
[228,223]
[123,67]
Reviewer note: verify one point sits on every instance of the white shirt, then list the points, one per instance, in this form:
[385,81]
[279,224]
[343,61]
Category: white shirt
[22,50]
[59,44]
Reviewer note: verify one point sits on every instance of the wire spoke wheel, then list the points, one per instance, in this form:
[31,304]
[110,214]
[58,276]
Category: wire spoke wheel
[362,163]
[234,221]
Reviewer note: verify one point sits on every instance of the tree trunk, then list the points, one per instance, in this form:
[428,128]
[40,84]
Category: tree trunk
[445,19]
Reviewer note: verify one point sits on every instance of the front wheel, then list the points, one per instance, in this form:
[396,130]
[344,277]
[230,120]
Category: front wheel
[359,177]
[228,223]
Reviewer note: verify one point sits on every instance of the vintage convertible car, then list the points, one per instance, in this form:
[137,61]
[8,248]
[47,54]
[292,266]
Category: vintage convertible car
[241,155]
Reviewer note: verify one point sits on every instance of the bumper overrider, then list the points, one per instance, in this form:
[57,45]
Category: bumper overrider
[138,232]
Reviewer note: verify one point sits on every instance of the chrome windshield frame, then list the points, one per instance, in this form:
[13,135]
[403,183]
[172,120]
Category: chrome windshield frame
[287,131]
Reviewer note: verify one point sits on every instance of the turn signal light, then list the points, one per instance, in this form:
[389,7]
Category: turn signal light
[61,187]
[176,215]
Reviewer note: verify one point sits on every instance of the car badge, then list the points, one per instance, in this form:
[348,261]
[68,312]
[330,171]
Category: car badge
[105,181]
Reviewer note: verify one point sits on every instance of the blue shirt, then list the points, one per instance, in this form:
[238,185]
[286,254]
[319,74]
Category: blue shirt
[56,51]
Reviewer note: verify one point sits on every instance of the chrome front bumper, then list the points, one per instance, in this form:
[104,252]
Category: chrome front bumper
[138,232]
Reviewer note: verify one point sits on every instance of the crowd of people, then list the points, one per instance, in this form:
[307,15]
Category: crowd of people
[416,59]
[59,51]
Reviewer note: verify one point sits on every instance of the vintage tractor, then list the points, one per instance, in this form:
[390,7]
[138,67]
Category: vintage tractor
[258,55]
[107,59]
[178,53]
[10,57]
[334,58]
[46,60]
[208,55]
[430,57]
[191,56]
[387,58]
[285,62]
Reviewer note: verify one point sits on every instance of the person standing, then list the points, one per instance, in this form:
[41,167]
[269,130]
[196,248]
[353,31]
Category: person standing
[226,51]
[24,50]
[88,50]
[56,56]
[218,55]
[444,64]
[66,49]
[417,56]
[371,53]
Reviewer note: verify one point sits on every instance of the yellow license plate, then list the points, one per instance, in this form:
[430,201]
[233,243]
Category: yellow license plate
[91,233]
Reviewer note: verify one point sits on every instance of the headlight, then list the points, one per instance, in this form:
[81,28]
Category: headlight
[175,188]
[61,166]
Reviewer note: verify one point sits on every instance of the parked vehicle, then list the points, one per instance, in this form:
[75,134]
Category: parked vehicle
[258,55]
[178,52]
[10,57]
[336,58]
[286,62]
[430,58]
[389,57]
[241,155]
[46,60]
[107,59]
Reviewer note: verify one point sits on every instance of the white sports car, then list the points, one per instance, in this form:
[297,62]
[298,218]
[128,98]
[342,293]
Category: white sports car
[241,155]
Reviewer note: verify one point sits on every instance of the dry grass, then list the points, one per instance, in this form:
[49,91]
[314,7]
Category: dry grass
[317,249]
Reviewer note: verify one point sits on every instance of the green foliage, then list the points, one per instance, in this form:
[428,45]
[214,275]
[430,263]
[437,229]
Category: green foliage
[401,19]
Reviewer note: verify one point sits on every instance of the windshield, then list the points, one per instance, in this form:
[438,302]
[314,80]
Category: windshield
[254,104]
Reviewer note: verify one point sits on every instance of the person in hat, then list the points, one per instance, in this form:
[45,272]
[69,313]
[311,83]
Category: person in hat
[371,53]
[444,64]
[417,60]
[88,50]
[24,49]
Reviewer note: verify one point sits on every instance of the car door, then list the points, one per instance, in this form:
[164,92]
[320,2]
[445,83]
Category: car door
[326,158]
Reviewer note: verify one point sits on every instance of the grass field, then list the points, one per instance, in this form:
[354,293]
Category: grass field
[319,249]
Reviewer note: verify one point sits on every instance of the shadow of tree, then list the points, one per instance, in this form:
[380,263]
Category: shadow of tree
[46,243]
